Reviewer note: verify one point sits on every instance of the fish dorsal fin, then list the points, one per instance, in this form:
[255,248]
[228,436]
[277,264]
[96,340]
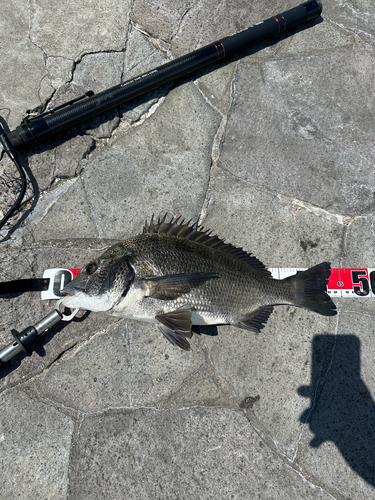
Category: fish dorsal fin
[194,232]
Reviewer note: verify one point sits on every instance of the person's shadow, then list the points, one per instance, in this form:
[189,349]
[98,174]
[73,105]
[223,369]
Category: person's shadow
[342,409]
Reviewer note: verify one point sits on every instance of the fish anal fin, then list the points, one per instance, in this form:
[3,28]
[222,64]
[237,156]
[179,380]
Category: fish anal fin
[176,326]
[257,320]
[172,286]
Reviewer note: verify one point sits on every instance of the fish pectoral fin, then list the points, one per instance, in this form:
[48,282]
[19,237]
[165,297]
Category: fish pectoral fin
[172,286]
[256,321]
[176,326]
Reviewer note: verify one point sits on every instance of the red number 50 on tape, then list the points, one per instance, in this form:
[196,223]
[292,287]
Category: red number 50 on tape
[358,282]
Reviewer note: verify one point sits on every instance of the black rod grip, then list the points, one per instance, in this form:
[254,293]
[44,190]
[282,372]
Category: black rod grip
[43,127]
[271,27]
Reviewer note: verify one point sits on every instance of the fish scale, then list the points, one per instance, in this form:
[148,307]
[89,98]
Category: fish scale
[176,274]
[174,255]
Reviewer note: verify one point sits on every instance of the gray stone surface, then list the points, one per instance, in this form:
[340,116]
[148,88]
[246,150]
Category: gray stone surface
[114,370]
[274,152]
[192,443]
[353,16]
[141,56]
[98,72]
[291,235]
[62,31]
[74,211]
[35,451]
[361,234]
[138,169]
[23,70]
[309,129]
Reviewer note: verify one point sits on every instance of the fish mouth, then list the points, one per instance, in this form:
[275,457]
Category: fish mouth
[70,292]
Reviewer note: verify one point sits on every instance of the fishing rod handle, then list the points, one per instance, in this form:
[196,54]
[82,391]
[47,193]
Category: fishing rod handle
[23,339]
[275,25]
[52,122]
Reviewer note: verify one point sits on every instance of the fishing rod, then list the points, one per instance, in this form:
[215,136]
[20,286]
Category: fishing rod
[53,121]
[58,119]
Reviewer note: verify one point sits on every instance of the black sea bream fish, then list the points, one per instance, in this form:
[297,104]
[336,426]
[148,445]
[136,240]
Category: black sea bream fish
[177,275]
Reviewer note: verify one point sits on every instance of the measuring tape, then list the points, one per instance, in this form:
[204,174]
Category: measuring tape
[344,282]
[349,282]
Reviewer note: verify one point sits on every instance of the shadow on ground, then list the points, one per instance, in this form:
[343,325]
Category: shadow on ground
[342,409]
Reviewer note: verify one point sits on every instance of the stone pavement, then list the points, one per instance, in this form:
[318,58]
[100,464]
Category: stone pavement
[274,152]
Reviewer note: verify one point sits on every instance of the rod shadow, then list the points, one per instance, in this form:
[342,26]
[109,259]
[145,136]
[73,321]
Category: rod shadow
[342,409]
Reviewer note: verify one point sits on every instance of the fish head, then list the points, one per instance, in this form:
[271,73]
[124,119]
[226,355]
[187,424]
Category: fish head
[100,285]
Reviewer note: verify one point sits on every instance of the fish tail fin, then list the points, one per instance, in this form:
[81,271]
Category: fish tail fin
[310,289]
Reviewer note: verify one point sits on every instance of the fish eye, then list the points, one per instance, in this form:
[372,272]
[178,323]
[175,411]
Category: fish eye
[90,269]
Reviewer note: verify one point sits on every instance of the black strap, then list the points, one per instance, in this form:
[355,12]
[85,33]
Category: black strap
[26,285]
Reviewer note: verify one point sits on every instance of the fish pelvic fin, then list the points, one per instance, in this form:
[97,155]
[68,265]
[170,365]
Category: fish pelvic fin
[257,320]
[175,338]
[310,289]
[176,326]
[172,286]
